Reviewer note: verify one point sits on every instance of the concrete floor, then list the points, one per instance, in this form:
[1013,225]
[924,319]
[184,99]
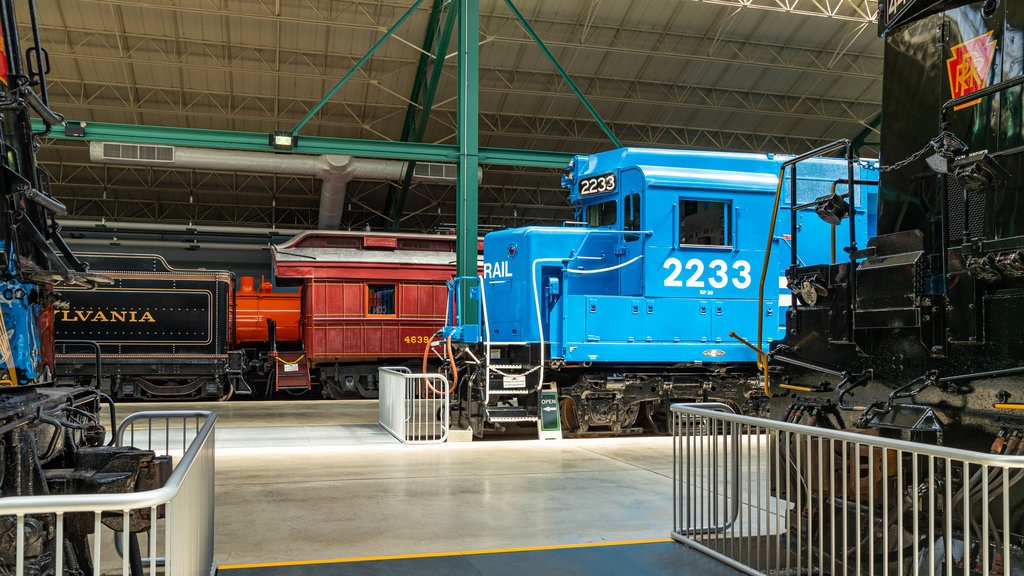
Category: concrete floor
[301,481]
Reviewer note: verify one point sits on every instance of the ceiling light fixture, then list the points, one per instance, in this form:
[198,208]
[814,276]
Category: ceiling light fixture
[283,141]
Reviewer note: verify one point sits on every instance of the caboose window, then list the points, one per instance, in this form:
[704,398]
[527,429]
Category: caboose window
[380,299]
[704,222]
[602,214]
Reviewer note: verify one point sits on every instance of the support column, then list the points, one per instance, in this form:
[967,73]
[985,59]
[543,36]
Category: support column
[466,211]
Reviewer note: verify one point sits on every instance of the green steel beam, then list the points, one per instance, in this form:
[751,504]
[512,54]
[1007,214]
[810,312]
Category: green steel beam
[466,187]
[359,64]
[426,51]
[537,158]
[258,141]
[397,196]
[565,75]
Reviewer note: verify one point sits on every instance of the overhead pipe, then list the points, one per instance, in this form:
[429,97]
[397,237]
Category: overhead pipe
[334,170]
[159,228]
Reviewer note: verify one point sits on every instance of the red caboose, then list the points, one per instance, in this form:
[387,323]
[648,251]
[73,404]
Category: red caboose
[368,300]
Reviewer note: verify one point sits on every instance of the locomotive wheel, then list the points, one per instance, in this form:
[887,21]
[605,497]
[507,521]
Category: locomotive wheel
[570,422]
[365,392]
[656,417]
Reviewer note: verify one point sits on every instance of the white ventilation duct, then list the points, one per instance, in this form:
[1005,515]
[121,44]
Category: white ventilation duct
[334,170]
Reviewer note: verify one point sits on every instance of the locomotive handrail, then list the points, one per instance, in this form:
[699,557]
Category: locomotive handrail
[842,143]
[96,348]
[487,339]
[818,367]
[453,313]
[848,195]
[536,306]
[932,378]
[608,269]
[981,93]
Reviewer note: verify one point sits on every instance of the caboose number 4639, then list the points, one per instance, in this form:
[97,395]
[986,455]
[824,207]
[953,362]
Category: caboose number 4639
[633,305]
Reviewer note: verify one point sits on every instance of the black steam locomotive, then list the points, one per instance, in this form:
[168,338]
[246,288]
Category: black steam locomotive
[918,334]
[51,439]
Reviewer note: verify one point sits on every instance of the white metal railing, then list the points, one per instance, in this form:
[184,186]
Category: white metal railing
[413,407]
[185,534]
[771,497]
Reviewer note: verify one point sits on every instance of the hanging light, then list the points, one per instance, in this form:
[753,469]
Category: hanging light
[831,208]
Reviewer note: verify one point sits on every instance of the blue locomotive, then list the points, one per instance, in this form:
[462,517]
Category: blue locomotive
[651,295]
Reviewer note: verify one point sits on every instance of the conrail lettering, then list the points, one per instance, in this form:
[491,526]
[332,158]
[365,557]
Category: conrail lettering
[497,270]
[103,316]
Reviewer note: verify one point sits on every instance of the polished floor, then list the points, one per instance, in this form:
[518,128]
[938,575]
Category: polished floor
[319,483]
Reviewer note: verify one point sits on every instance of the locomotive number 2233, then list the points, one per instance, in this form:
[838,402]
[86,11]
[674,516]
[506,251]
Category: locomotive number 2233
[716,273]
[597,184]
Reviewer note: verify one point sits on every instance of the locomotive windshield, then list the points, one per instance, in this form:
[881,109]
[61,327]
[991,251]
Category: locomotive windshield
[704,222]
[602,215]
[605,214]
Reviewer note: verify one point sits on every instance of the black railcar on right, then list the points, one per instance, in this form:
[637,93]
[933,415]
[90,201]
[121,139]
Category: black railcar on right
[920,334]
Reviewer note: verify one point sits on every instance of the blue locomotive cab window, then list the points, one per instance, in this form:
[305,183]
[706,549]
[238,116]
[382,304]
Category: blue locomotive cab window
[631,216]
[704,223]
[601,215]
[380,299]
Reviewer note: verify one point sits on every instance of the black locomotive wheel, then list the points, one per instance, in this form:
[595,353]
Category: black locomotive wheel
[365,392]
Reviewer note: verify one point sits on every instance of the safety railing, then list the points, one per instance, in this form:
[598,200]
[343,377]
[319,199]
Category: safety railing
[413,407]
[770,497]
[180,512]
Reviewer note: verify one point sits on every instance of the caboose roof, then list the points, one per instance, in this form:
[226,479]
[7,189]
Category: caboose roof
[335,255]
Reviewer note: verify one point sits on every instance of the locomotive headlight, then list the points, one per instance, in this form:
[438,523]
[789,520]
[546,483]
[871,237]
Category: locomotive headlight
[831,208]
[978,172]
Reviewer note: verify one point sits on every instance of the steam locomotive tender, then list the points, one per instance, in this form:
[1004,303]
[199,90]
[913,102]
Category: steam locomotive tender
[51,439]
[917,335]
[634,305]
[159,331]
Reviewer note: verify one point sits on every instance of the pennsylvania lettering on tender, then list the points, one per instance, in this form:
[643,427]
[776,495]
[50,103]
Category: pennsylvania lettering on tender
[103,316]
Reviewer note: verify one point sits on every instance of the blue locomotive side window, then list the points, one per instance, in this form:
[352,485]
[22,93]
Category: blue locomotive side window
[380,299]
[602,214]
[631,216]
[704,222]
